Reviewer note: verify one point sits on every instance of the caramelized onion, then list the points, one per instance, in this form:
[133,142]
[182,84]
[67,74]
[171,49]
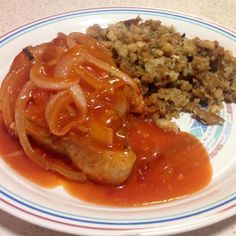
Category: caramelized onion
[10,89]
[93,46]
[58,102]
[110,69]
[38,159]
[69,61]
[89,78]
[7,109]
[101,133]
[38,77]
[64,66]
[52,113]
[79,99]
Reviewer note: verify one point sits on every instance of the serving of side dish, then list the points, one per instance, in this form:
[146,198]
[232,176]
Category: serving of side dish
[96,208]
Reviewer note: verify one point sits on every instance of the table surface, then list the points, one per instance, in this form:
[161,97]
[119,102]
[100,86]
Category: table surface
[13,15]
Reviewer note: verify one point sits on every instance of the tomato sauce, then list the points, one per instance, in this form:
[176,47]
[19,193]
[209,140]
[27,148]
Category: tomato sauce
[168,166]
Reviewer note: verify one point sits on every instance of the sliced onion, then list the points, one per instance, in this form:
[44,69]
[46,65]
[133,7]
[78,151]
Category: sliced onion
[68,61]
[137,99]
[10,89]
[13,154]
[58,102]
[38,159]
[79,99]
[64,66]
[52,112]
[92,43]
[89,78]
[42,81]
[104,66]
[92,46]
[7,109]
[101,133]
[57,52]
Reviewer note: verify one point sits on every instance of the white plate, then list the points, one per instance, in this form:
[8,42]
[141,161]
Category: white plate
[57,210]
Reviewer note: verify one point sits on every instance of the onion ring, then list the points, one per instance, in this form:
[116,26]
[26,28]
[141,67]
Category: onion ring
[10,89]
[79,98]
[42,81]
[108,68]
[58,102]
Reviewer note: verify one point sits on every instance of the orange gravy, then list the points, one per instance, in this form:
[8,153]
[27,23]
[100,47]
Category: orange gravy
[168,166]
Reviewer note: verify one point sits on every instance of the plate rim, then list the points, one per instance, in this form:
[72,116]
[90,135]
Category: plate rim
[140,7]
[40,21]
